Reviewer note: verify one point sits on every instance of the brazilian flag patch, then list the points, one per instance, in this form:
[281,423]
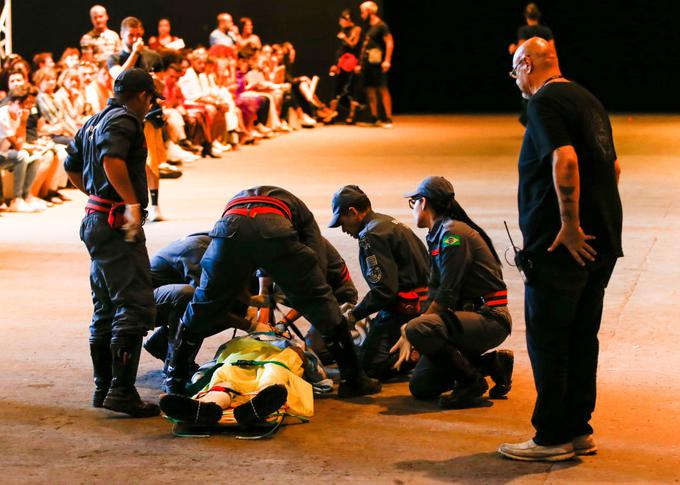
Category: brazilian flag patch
[451,240]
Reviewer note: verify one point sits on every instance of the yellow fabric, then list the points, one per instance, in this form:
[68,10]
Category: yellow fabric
[155,147]
[250,380]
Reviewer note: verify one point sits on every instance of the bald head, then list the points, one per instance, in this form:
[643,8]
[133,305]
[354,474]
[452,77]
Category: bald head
[541,52]
[534,62]
[99,18]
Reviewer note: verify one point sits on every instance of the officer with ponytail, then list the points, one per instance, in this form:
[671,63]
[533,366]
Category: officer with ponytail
[468,315]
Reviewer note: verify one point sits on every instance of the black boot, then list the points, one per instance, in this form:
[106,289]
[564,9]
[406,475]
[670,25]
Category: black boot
[180,363]
[353,379]
[470,383]
[183,408]
[123,396]
[267,401]
[157,343]
[100,351]
[498,365]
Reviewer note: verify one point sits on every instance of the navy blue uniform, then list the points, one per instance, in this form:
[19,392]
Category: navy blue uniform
[120,279]
[467,281]
[291,251]
[393,260]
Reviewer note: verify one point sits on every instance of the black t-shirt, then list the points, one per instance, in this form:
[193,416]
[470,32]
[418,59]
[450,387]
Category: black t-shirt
[563,114]
[526,32]
[148,60]
[375,38]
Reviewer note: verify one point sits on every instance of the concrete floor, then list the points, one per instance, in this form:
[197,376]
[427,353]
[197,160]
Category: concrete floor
[49,434]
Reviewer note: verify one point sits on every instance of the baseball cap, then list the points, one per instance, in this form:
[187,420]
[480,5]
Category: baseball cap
[436,188]
[135,80]
[344,199]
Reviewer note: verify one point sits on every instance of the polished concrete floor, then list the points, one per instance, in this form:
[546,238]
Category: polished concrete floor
[49,434]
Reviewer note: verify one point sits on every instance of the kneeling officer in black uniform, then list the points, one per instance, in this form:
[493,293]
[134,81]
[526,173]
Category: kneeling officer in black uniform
[468,315]
[267,227]
[395,265]
[107,161]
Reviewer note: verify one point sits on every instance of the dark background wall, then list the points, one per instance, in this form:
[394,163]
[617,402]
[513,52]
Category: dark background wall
[450,55]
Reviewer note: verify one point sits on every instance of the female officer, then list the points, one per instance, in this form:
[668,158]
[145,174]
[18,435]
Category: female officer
[468,315]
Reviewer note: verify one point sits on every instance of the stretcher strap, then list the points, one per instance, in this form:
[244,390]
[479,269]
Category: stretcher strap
[243,363]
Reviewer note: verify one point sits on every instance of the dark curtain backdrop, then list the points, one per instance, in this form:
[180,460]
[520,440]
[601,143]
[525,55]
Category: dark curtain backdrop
[451,56]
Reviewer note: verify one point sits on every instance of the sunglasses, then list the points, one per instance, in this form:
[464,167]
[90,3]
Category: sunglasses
[412,201]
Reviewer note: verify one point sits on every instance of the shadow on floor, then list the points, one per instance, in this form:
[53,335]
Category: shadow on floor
[487,467]
[406,405]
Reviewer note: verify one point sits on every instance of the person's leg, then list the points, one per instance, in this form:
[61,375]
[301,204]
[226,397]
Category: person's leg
[375,351]
[386,102]
[584,349]
[295,268]
[226,269]
[43,179]
[17,162]
[436,336]
[551,303]
[100,335]
[372,97]
[156,155]
[171,302]
[429,380]
[31,173]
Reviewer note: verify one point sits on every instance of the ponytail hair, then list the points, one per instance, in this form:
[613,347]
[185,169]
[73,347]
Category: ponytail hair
[451,208]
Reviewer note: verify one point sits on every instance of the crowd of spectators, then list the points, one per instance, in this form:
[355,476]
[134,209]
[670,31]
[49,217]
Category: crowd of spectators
[235,90]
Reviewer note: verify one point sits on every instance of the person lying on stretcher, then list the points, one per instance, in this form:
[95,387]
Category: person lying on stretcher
[251,378]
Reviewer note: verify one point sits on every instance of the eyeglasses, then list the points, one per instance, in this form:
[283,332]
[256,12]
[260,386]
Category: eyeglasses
[514,74]
[412,201]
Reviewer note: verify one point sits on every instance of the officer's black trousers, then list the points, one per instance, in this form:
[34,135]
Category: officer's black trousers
[242,244]
[563,310]
[375,354]
[120,279]
[171,303]
[473,333]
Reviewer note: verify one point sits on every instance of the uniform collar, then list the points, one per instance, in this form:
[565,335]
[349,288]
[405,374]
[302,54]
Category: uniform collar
[434,233]
[364,222]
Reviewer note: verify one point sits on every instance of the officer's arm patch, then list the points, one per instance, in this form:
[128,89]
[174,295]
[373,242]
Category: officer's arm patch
[374,274]
[450,240]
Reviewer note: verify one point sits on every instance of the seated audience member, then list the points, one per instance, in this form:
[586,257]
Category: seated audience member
[226,32]
[90,90]
[13,155]
[69,59]
[164,39]
[199,90]
[43,59]
[71,100]
[100,42]
[174,113]
[247,37]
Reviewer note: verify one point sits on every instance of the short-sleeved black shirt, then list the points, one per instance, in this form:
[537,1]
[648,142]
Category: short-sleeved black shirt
[148,60]
[113,132]
[375,36]
[526,32]
[561,114]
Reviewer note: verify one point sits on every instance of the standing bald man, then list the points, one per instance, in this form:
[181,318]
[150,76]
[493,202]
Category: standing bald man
[570,216]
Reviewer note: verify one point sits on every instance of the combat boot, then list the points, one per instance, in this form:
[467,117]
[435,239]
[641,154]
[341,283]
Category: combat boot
[100,351]
[122,396]
[353,380]
[470,383]
[498,365]
[180,363]
[157,343]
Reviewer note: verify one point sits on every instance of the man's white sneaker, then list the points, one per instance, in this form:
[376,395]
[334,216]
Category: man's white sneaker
[584,445]
[21,206]
[530,451]
[38,204]
[154,214]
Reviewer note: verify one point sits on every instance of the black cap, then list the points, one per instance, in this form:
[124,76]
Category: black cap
[435,188]
[343,199]
[135,80]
